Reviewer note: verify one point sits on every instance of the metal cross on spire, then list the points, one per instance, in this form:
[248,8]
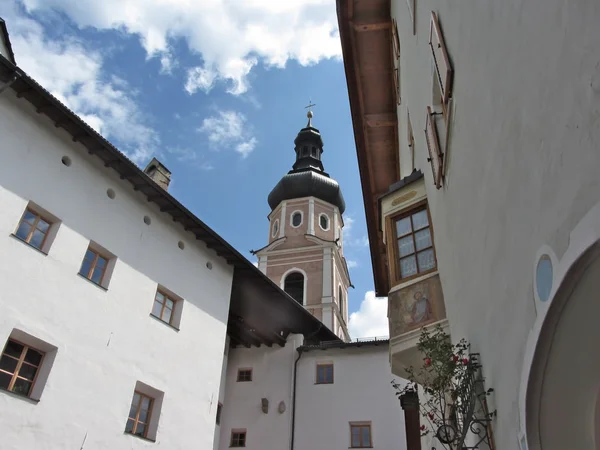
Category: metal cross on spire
[309,114]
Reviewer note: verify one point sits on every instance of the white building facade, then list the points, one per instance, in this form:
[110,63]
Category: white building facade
[341,397]
[487,114]
[100,341]
[118,304]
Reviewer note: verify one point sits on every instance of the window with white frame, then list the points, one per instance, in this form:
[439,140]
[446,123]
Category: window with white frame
[324,221]
[296,218]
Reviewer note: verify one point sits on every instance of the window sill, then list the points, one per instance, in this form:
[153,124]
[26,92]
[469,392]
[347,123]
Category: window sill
[325,383]
[20,396]
[164,323]
[139,437]
[14,236]
[92,282]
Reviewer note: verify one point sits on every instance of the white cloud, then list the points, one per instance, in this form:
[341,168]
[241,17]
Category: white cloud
[371,318]
[75,75]
[349,239]
[230,37]
[228,129]
[351,264]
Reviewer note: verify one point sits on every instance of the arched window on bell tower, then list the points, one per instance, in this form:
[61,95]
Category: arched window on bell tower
[341,302]
[294,286]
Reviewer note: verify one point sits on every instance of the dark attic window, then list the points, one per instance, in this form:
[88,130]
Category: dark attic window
[314,152]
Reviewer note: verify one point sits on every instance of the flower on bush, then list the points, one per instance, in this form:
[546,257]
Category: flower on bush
[445,377]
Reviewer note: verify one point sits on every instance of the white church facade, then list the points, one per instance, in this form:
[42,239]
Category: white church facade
[127,322]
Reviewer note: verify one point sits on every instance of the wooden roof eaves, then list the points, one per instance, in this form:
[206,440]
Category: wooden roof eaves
[348,36]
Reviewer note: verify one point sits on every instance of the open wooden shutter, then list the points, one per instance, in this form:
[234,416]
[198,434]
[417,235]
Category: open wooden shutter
[395,39]
[433,146]
[440,58]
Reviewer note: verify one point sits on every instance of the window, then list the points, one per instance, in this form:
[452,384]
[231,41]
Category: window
[163,307]
[294,286]
[325,373]
[219,410]
[275,228]
[414,243]
[33,229]
[238,438]
[305,151]
[342,303]
[139,414]
[94,266]
[314,152]
[324,222]
[296,219]
[244,375]
[19,366]
[360,435]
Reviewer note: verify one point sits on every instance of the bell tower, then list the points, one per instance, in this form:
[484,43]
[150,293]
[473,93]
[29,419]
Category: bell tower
[305,252]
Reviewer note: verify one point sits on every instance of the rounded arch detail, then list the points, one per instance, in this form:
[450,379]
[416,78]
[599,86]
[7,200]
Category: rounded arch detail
[550,346]
[282,284]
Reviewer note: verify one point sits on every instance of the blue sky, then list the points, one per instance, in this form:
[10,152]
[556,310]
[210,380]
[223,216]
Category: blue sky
[216,90]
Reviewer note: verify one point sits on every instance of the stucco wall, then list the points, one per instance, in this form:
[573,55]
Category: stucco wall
[272,375]
[106,339]
[521,166]
[361,392]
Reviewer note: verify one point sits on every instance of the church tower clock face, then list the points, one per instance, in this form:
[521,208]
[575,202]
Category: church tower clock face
[305,254]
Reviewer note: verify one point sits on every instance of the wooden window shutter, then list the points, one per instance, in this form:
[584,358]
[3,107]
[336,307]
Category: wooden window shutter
[395,39]
[443,68]
[433,146]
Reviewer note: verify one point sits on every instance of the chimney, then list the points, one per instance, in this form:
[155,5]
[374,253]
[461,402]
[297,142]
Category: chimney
[158,173]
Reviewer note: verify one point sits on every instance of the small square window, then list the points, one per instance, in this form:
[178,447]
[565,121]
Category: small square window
[325,373]
[33,229]
[360,435]
[139,414]
[144,411]
[97,266]
[19,365]
[163,307]
[219,411]
[37,228]
[244,375]
[238,438]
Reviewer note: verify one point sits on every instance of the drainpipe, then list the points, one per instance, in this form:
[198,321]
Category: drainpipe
[294,398]
[5,86]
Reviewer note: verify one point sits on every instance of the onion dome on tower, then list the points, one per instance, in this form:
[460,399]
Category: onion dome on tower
[307,177]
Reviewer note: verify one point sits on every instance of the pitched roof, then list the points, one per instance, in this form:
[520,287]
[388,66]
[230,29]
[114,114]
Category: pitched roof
[370,342]
[260,312]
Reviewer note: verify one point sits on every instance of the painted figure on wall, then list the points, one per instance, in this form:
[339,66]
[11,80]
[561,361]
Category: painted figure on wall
[421,308]
[416,306]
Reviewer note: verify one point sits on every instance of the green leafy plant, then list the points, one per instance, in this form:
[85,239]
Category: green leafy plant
[448,377]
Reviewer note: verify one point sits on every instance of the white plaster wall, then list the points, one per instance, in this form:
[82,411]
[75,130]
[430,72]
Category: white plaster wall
[222,387]
[361,392]
[522,162]
[4,49]
[106,339]
[272,376]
